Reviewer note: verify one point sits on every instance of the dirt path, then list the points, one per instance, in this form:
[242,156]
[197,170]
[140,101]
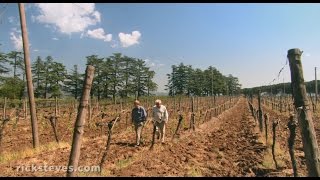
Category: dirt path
[222,147]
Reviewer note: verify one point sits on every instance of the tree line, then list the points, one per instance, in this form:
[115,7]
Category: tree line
[280,88]
[186,80]
[116,75]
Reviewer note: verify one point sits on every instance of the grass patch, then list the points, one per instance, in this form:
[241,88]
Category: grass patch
[94,174]
[280,154]
[268,158]
[195,172]
[122,163]
[11,156]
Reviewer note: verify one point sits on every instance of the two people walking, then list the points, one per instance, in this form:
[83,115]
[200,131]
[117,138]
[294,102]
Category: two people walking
[160,118]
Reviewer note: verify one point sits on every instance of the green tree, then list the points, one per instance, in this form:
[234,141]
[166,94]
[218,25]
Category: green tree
[16,60]
[233,85]
[3,61]
[151,86]
[73,82]
[142,77]
[179,80]
[12,87]
[184,80]
[38,69]
[97,84]
[106,77]
[127,65]
[116,78]
[57,75]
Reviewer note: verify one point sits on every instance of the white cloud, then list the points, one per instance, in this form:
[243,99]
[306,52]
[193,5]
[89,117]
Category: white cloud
[55,39]
[153,63]
[99,34]
[16,40]
[68,18]
[146,60]
[308,55]
[129,39]
[36,50]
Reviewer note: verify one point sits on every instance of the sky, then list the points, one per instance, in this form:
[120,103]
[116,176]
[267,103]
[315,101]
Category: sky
[249,41]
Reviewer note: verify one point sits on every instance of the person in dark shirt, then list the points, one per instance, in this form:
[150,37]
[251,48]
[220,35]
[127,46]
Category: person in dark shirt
[139,117]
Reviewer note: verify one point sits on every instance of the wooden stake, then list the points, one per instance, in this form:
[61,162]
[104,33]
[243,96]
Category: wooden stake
[309,140]
[80,121]
[32,104]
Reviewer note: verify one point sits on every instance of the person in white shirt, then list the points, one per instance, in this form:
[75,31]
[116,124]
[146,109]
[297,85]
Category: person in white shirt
[160,118]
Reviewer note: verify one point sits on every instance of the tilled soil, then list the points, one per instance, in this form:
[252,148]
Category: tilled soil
[282,135]
[224,146]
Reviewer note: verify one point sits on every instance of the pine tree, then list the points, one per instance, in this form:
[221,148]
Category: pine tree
[73,82]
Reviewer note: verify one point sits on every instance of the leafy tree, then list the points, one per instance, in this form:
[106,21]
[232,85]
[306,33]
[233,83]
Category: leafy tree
[179,80]
[116,78]
[233,86]
[106,77]
[128,67]
[141,77]
[151,86]
[12,87]
[16,60]
[73,82]
[57,75]
[97,81]
[3,61]
[38,69]
[184,80]
[49,77]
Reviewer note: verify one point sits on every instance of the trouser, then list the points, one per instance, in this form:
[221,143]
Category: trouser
[162,127]
[138,128]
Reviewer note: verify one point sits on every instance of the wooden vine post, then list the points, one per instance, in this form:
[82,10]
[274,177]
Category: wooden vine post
[260,115]
[266,121]
[274,126]
[80,121]
[32,104]
[292,124]
[309,140]
[110,125]
[192,114]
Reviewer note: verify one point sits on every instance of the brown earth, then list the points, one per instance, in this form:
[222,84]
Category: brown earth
[228,145]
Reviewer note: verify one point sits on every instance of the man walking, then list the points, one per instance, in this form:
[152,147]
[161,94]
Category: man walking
[160,118]
[139,117]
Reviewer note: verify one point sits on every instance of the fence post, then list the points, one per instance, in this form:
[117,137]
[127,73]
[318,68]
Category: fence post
[80,121]
[274,126]
[32,104]
[4,108]
[260,116]
[266,121]
[292,124]
[309,141]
